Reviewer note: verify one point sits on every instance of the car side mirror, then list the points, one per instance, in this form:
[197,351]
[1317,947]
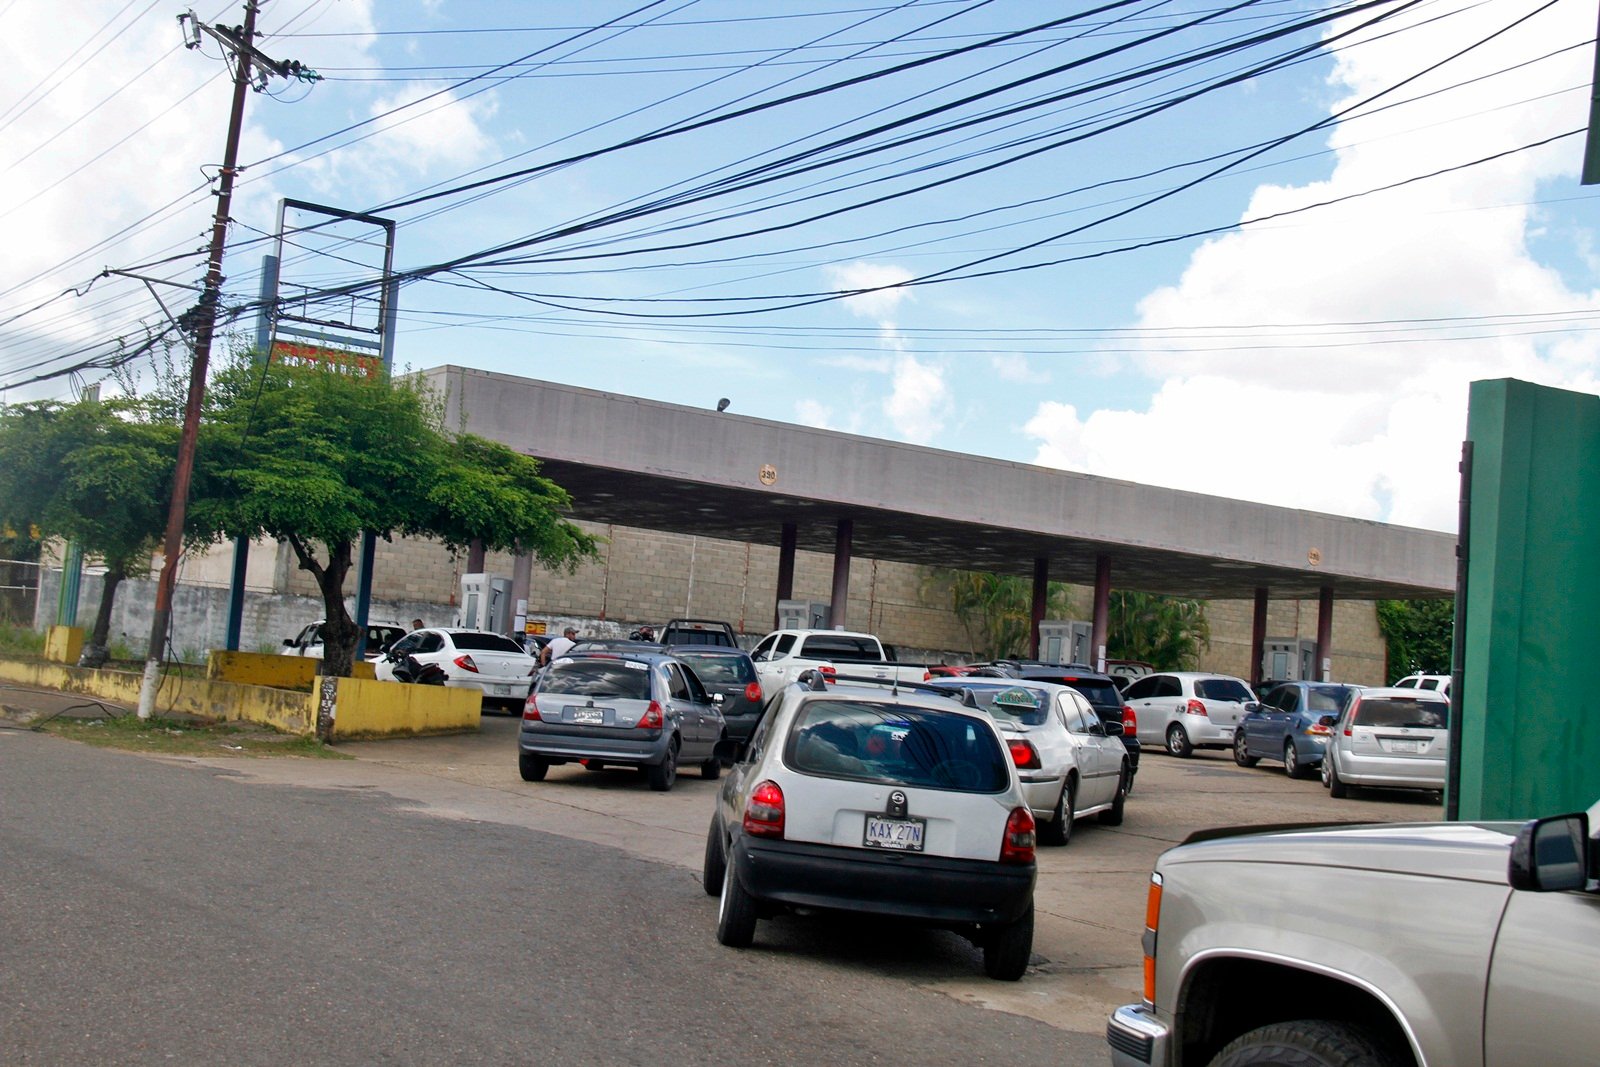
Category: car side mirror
[717,699]
[1113,728]
[1252,706]
[729,751]
[288,642]
[1552,855]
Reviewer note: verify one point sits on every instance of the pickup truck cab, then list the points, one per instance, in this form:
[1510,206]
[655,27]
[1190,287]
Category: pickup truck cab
[1449,944]
[783,655]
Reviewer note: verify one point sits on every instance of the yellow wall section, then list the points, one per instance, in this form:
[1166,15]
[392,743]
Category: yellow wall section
[63,644]
[391,709]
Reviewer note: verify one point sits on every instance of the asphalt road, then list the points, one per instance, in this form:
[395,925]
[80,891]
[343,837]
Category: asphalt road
[171,911]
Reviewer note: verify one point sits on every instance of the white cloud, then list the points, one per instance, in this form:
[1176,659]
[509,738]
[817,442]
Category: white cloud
[1011,367]
[873,305]
[1362,423]
[416,131]
[918,400]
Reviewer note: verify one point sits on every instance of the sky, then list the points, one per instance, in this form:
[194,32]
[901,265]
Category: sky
[1257,249]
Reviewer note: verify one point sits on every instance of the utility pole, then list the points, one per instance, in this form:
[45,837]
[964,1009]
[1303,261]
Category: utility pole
[202,318]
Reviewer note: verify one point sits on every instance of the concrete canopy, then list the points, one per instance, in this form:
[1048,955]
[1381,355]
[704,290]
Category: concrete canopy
[687,470]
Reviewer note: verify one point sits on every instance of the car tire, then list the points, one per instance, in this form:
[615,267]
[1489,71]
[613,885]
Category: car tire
[533,768]
[714,868]
[736,914]
[1306,1043]
[662,775]
[1007,949]
[1178,742]
[711,769]
[1330,778]
[1058,831]
[1241,752]
[1291,762]
[1112,816]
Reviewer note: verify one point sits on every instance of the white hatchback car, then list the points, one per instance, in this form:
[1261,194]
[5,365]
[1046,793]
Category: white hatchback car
[878,801]
[470,659]
[1186,710]
[1072,765]
[1396,738]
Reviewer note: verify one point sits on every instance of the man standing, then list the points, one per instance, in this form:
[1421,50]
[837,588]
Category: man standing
[560,646]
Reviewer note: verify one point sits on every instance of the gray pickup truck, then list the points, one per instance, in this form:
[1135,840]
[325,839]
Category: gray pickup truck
[1424,945]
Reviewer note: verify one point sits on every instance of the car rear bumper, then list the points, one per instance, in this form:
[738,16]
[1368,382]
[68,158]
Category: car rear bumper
[933,889]
[1137,1038]
[1388,773]
[557,742]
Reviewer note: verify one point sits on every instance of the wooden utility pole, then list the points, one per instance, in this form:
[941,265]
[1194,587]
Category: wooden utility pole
[202,319]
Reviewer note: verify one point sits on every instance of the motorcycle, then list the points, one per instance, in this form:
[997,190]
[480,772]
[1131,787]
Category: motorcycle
[407,669]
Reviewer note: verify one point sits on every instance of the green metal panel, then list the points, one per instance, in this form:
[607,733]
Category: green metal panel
[1530,741]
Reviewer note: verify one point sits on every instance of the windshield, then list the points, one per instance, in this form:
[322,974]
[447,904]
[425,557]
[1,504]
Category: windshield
[1222,689]
[897,745]
[610,679]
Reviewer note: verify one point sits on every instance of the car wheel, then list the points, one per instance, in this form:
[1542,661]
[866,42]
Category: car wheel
[714,868]
[1178,742]
[1291,761]
[736,914]
[1331,779]
[1058,831]
[1241,752]
[663,774]
[711,769]
[1306,1043]
[1112,816]
[1007,950]
[533,767]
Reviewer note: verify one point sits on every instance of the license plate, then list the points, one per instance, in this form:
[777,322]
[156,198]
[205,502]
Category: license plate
[502,690]
[588,716]
[1405,746]
[902,835]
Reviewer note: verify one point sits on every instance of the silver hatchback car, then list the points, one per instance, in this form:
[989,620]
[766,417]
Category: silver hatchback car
[1391,738]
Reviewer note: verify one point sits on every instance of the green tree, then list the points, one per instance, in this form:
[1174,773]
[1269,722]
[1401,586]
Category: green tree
[1419,635]
[996,610]
[1166,632]
[314,458]
[98,473]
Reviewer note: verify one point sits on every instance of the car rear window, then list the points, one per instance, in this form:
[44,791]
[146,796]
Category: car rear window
[1222,689]
[610,679]
[1013,704]
[1402,712]
[897,745]
[1096,691]
[484,642]
[1327,701]
[721,670]
[699,637]
[851,649]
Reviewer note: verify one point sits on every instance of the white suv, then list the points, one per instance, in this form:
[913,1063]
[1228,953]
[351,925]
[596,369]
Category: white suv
[1439,683]
[878,801]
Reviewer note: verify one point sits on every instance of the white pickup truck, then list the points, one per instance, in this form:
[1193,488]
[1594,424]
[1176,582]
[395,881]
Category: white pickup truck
[783,655]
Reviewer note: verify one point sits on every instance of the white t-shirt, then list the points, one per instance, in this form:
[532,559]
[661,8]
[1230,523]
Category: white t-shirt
[560,647]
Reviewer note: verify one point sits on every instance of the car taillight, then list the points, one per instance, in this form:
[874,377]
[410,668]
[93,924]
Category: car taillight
[829,674]
[1318,729]
[1130,721]
[464,661]
[530,710]
[927,676]
[1152,922]
[1195,708]
[763,812]
[651,719]
[1023,754]
[752,692]
[1017,846]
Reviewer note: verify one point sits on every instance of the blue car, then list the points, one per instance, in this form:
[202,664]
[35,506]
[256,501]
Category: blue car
[1288,727]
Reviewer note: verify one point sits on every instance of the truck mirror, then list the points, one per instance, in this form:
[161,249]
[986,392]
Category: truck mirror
[1551,855]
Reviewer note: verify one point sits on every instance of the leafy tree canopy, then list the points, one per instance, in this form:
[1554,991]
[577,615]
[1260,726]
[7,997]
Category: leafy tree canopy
[996,610]
[1166,632]
[98,473]
[315,458]
[1418,634]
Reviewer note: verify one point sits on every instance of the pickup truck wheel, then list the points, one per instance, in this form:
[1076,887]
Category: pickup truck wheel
[1305,1043]
[1007,950]
[1058,831]
[1178,742]
[1241,752]
[715,867]
[533,768]
[1330,778]
[1113,815]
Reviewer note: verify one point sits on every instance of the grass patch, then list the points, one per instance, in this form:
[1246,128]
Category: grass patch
[186,737]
